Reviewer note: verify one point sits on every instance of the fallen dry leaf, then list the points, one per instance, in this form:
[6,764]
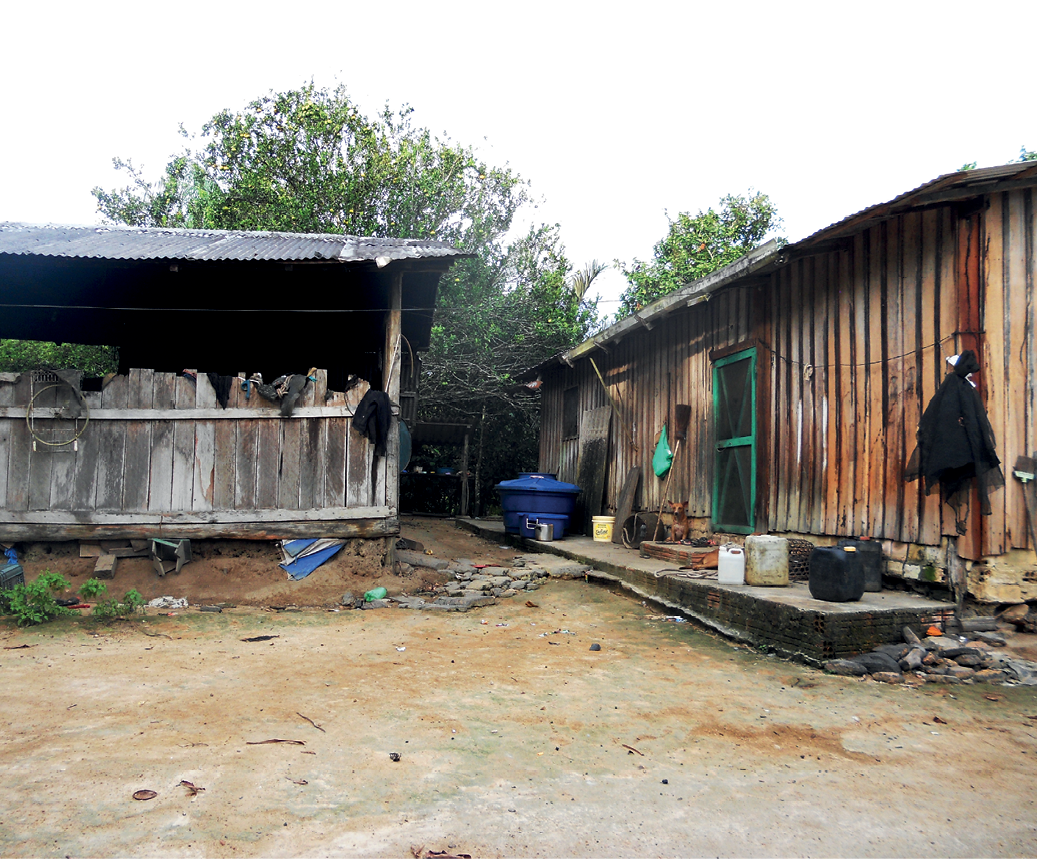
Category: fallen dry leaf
[275,740]
[144,794]
[938,720]
[297,780]
[531,604]
[192,790]
[308,719]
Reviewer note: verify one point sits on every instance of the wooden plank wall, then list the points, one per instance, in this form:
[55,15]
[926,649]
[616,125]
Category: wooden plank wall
[852,349]
[648,373]
[196,464]
[857,341]
[1009,355]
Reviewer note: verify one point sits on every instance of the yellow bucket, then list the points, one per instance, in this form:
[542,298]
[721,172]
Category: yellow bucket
[602,528]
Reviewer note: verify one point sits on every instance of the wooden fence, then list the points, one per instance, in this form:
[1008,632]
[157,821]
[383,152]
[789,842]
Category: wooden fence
[159,455]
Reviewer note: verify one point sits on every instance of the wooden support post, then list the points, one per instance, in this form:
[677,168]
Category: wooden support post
[393,371]
[464,476]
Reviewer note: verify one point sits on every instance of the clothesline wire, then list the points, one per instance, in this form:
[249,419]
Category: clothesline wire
[913,353]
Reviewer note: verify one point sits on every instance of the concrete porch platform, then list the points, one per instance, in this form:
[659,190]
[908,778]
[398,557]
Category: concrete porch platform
[787,621]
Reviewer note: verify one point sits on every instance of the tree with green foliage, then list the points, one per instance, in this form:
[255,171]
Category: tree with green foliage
[307,160]
[20,355]
[1027,154]
[696,245]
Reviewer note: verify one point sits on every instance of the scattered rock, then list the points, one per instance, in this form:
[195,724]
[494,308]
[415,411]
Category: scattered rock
[845,667]
[994,638]
[1015,613]
[941,678]
[348,599]
[372,604]
[989,675]
[887,676]
[877,661]
[419,559]
[910,636]
[912,660]
[941,642]
[595,646]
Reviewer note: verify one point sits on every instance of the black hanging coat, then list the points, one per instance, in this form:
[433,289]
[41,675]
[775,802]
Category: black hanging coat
[956,444]
[373,418]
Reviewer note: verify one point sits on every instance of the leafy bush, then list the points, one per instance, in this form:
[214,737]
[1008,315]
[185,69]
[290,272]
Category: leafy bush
[132,602]
[93,589]
[34,602]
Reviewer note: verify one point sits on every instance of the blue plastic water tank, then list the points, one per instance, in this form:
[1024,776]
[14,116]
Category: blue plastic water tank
[528,496]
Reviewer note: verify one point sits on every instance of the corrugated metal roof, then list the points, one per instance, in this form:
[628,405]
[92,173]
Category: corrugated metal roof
[153,243]
[949,186]
[942,189]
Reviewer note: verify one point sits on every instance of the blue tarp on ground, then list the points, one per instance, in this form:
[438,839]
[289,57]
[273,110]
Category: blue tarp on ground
[302,557]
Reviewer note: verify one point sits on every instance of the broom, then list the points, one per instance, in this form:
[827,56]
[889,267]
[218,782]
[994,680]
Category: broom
[681,418]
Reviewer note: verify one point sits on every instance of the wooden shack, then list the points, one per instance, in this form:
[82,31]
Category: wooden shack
[807,367]
[151,451]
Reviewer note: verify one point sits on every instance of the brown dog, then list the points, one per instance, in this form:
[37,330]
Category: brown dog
[679,529]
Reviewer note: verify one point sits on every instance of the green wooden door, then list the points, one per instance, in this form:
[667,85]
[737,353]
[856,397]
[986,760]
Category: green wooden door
[734,411]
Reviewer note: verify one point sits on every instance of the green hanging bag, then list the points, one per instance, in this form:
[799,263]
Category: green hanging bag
[663,456]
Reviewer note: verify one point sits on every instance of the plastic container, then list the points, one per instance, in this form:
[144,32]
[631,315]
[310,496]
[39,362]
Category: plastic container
[602,527]
[836,574]
[731,565]
[11,573]
[528,524]
[766,561]
[870,554]
[533,496]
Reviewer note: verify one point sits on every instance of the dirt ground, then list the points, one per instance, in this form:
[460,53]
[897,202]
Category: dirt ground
[247,573]
[514,738]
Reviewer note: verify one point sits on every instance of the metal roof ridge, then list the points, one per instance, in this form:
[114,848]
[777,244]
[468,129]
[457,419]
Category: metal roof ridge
[694,292]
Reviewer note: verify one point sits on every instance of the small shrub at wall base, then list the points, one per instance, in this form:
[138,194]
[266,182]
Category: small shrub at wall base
[111,609]
[35,602]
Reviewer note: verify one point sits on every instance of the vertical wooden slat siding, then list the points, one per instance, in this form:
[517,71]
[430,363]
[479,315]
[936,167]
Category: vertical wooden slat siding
[875,321]
[111,448]
[160,485]
[41,468]
[1014,303]
[203,476]
[818,350]
[910,407]
[784,405]
[931,512]
[191,464]
[8,392]
[794,363]
[993,377]
[138,441]
[1030,305]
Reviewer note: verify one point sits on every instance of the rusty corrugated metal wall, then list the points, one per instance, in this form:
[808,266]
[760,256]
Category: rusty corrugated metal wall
[851,348]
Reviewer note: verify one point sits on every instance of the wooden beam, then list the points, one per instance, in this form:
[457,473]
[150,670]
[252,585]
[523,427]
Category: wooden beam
[36,526]
[214,414]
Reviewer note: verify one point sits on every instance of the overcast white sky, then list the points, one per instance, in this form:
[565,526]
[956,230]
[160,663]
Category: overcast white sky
[616,113]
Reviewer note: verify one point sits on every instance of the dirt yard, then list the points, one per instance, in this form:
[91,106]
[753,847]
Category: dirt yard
[247,573]
[514,738]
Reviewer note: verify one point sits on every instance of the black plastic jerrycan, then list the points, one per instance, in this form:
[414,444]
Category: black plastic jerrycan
[836,574]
